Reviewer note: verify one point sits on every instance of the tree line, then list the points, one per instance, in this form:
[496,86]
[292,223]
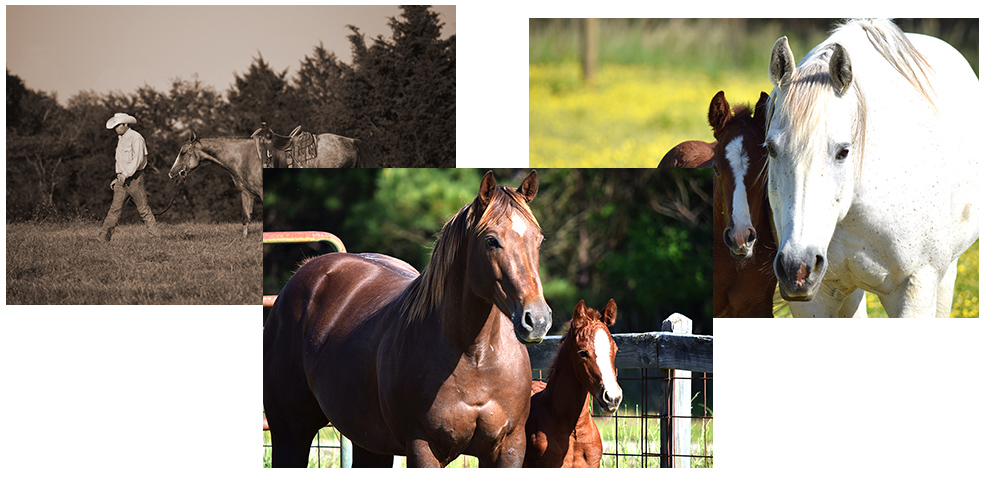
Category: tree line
[397,95]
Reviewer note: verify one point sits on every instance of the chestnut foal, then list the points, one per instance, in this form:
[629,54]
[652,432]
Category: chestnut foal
[560,430]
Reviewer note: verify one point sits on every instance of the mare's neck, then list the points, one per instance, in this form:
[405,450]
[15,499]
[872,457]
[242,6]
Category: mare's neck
[226,156]
[470,323]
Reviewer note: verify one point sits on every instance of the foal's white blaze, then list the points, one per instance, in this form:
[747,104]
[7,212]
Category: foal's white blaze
[602,348]
[739,161]
[518,224]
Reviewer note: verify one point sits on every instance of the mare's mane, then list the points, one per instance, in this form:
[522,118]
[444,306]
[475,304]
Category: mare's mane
[426,292]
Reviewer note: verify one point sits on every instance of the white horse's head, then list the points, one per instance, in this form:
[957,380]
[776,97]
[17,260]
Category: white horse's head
[814,141]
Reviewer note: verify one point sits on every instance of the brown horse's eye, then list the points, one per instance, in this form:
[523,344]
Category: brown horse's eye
[583,353]
[492,242]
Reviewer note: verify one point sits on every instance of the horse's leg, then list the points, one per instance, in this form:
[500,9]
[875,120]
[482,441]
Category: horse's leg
[419,454]
[292,435]
[946,290]
[247,198]
[917,296]
[511,453]
[855,306]
[363,458]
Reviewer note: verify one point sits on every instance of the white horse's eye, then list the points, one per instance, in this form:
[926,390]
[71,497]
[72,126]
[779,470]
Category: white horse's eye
[770,150]
[842,153]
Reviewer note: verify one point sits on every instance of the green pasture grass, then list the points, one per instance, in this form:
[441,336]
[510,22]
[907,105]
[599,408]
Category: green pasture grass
[190,263]
[964,303]
[629,117]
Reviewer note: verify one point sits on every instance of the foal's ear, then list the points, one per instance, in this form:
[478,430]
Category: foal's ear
[486,188]
[782,66]
[718,111]
[529,187]
[760,109]
[840,70]
[610,312]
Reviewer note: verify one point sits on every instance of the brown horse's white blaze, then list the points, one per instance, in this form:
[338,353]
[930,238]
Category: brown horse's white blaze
[609,393]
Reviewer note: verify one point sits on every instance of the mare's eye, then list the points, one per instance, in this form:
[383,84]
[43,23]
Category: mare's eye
[770,150]
[842,153]
[583,354]
[492,242]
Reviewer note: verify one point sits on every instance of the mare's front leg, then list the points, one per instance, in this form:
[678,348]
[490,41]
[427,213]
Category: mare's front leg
[510,453]
[419,454]
[917,296]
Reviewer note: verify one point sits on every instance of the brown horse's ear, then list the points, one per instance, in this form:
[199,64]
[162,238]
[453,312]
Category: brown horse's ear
[579,314]
[486,188]
[193,137]
[610,312]
[529,187]
[718,112]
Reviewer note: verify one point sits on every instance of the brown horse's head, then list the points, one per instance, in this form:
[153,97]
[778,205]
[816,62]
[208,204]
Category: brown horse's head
[739,166]
[502,255]
[594,364]
[187,159]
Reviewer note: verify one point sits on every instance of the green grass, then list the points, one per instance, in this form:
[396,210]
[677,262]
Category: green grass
[190,263]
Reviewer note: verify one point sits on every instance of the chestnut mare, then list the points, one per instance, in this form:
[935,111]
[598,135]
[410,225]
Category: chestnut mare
[429,365]
[742,279]
[561,432]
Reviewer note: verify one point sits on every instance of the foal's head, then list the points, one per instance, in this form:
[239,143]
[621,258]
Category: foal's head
[739,164]
[594,362]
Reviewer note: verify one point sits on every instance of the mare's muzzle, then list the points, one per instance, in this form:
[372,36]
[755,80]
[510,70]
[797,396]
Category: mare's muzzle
[799,272]
[532,321]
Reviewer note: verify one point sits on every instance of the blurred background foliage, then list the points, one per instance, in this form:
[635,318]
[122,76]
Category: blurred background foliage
[397,95]
[654,79]
[641,237]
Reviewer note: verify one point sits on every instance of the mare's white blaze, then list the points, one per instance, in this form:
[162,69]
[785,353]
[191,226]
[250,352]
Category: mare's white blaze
[739,161]
[518,224]
[602,349]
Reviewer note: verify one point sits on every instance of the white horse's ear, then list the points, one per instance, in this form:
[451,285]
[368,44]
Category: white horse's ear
[782,66]
[840,70]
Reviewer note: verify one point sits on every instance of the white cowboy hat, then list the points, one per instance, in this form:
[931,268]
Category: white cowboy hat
[120,118]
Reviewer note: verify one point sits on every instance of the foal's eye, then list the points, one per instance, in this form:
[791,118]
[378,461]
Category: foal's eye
[492,242]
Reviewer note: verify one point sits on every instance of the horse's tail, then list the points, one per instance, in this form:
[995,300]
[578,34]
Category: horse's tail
[363,154]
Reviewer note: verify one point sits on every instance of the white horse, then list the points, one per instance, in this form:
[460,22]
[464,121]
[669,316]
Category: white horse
[873,155]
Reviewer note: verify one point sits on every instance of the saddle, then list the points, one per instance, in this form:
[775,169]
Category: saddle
[299,146]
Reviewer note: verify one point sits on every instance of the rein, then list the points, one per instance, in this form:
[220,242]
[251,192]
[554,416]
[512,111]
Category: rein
[177,190]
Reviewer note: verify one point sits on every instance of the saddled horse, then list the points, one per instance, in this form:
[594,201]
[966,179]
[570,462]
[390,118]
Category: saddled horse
[302,149]
[237,156]
[427,365]
[560,430]
[873,145]
[689,154]
[743,239]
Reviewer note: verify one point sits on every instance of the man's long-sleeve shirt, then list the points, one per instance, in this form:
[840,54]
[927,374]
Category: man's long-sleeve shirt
[130,155]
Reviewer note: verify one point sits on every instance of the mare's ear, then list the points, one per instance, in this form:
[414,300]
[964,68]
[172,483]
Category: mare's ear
[718,111]
[610,312]
[782,66]
[840,70]
[529,187]
[486,188]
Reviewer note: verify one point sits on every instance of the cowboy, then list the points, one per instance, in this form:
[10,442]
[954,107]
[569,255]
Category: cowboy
[130,160]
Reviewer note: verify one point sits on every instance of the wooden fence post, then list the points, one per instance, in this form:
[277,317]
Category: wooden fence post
[678,419]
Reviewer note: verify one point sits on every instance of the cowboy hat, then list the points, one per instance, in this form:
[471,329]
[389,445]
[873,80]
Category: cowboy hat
[120,118]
